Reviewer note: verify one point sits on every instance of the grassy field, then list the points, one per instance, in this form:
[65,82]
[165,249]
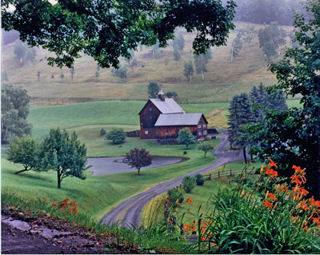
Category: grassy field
[88,118]
[222,81]
[96,195]
[200,196]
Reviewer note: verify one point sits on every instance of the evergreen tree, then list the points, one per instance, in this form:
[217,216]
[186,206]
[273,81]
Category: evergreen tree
[240,117]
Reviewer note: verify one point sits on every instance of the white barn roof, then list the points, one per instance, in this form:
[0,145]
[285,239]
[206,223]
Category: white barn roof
[167,106]
[185,119]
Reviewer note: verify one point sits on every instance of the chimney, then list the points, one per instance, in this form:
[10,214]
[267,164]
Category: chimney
[161,95]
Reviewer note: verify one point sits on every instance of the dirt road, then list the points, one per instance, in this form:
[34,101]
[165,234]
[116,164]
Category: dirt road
[129,211]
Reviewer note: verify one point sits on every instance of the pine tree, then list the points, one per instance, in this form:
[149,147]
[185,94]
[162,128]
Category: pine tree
[241,116]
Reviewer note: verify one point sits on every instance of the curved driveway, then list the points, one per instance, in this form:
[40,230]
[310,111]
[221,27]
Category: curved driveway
[129,211]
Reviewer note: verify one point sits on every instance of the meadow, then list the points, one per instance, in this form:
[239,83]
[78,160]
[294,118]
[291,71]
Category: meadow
[223,79]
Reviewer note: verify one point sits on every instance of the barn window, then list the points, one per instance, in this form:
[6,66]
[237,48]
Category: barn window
[205,132]
[199,126]
[204,126]
[146,132]
[199,133]
[150,109]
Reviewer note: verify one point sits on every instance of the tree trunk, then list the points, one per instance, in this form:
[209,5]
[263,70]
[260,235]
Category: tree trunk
[231,57]
[245,155]
[59,179]
[189,78]
[23,170]
[138,171]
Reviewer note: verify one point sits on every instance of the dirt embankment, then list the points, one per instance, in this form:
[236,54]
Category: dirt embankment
[23,234]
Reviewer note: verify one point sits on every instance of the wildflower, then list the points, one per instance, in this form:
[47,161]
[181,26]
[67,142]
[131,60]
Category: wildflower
[298,170]
[271,196]
[271,173]
[213,244]
[272,164]
[189,201]
[293,218]
[316,220]
[303,206]
[299,193]
[267,204]
[299,180]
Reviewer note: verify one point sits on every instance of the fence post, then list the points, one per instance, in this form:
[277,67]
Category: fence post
[230,172]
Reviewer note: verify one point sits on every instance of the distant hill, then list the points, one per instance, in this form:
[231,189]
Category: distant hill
[222,81]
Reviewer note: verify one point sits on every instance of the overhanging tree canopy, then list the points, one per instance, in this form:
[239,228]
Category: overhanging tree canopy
[107,29]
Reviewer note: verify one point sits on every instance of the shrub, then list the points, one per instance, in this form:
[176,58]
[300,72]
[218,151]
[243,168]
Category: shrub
[102,132]
[116,135]
[186,137]
[175,195]
[188,183]
[199,179]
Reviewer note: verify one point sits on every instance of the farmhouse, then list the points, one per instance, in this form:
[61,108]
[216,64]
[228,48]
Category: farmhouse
[162,118]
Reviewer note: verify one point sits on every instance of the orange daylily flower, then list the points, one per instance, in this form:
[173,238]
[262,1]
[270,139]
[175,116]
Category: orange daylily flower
[272,164]
[267,204]
[298,170]
[271,196]
[189,201]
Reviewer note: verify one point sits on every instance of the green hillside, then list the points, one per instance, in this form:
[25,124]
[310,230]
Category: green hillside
[222,81]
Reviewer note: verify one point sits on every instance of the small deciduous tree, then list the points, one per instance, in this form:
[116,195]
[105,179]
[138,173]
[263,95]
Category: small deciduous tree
[186,137]
[121,72]
[201,62]
[64,154]
[116,135]
[205,147]
[72,72]
[24,151]
[153,89]
[138,158]
[188,70]
[14,113]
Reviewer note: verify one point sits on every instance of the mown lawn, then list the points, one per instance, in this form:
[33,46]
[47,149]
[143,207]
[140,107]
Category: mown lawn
[96,195]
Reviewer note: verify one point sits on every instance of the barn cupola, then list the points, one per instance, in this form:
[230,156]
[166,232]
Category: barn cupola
[161,95]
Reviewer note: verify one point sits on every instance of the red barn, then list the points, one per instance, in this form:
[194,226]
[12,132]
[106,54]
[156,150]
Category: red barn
[163,118]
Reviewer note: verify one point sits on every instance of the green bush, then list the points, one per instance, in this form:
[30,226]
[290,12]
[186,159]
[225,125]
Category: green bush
[116,135]
[175,195]
[199,179]
[188,183]
[102,132]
